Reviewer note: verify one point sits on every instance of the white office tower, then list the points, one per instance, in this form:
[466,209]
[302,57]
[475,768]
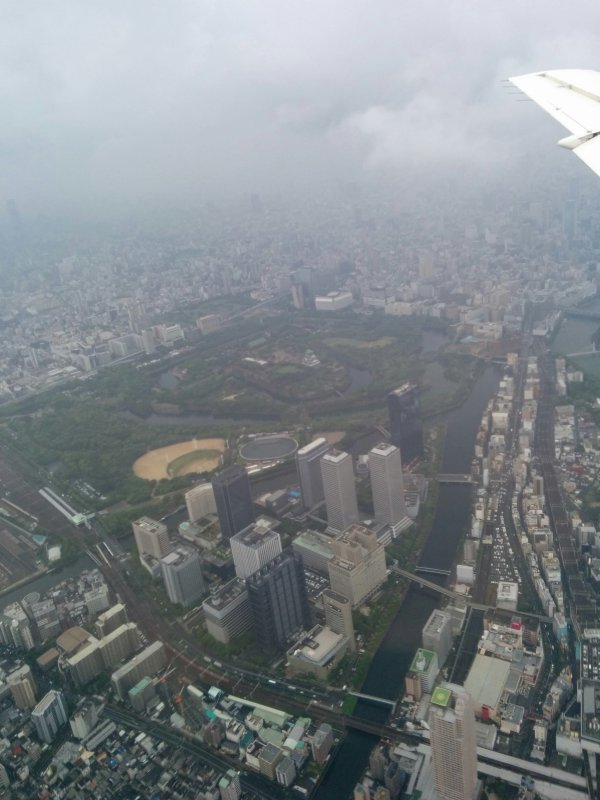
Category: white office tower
[309,471]
[453,743]
[387,486]
[49,715]
[252,548]
[182,574]
[340,490]
[200,501]
[151,537]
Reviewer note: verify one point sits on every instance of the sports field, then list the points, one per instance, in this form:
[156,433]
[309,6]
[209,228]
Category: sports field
[194,455]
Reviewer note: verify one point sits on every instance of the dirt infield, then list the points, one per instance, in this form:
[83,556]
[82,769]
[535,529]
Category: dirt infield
[155,465]
[333,437]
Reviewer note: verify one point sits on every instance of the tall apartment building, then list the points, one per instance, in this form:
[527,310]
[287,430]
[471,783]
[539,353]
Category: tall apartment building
[387,486]
[358,567]
[233,499]
[309,471]
[86,664]
[200,501]
[22,687]
[49,715]
[337,473]
[227,611]
[182,574]
[338,616]
[119,644]
[148,662]
[229,785]
[110,620]
[406,426]
[151,537]
[252,548]
[15,628]
[279,601]
[453,743]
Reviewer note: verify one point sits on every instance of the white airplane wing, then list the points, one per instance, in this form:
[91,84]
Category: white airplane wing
[571,96]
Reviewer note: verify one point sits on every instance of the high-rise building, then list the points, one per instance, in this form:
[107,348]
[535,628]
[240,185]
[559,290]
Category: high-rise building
[119,644]
[227,611]
[151,537]
[15,628]
[309,471]
[358,567]
[49,715]
[453,743]
[148,662]
[200,501]
[339,488]
[229,786]
[279,600]
[182,574]
[233,499]
[86,664]
[84,719]
[338,615]
[406,426]
[254,547]
[387,486]
[22,687]
[437,634]
[110,620]
[322,742]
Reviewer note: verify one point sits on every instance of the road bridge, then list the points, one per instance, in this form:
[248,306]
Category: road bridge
[584,353]
[373,699]
[432,571]
[455,596]
[454,477]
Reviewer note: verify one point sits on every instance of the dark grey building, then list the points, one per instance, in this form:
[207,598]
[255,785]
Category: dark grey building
[233,500]
[406,426]
[279,600]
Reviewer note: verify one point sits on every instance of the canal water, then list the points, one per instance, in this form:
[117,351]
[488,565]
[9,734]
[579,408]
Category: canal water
[391,661]
[47,581]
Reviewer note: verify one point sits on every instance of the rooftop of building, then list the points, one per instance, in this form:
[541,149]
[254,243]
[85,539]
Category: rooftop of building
[46,701]
[320,543]
[152,648]
[150,525]
[486,680]
[71,639]
[225,594]
[336,456]
[314,445]
[179,556]
[422,660]
[383,449]
[436,621]
[318,646]
[256,535]
[406,388]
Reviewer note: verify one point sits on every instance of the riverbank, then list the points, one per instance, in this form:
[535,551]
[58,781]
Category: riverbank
[390,662]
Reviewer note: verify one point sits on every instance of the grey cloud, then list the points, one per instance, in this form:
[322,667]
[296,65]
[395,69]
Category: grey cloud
[150,100]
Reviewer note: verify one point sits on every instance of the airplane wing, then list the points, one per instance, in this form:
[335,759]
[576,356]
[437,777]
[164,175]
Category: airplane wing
[571,96]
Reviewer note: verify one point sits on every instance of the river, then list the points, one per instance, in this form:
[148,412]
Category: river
[45,582]
[391,661]
[575,336]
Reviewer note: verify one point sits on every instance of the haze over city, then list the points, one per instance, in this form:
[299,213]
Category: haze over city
[112,104]
[299,400]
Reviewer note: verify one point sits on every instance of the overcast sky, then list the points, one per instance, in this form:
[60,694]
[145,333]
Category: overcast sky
[136,99]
